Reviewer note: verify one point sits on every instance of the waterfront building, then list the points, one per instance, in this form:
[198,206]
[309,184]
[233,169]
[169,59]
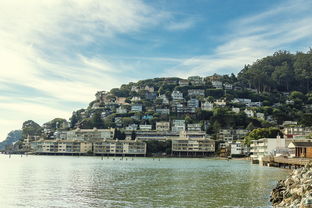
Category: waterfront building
[61,147]
[162,126]
[90,134]
[185,146]
[269,147]
[302,149]
[119,147]
[238,149]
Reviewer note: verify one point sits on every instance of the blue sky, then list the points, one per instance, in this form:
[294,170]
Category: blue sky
[55,54]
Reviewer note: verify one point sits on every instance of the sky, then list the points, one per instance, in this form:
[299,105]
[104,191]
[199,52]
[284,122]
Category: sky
[56,54]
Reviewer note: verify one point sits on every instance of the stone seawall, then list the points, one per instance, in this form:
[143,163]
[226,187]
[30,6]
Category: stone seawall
[295,190]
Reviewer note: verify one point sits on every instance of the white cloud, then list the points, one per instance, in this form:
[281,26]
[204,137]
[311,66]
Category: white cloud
[36,50]
[254,37]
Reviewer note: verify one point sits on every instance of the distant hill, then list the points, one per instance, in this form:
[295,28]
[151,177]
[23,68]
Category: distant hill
[12,137]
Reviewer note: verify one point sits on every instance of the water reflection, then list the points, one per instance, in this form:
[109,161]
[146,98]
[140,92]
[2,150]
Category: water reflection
[50,181]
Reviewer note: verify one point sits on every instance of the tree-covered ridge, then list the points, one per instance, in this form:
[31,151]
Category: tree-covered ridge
[282,72]
[281,83]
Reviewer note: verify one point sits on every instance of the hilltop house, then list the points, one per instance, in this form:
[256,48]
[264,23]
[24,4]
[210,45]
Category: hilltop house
[177,95]
[217,84]
[184,82]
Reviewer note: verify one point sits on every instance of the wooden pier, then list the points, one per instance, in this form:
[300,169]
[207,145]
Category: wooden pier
[283,162]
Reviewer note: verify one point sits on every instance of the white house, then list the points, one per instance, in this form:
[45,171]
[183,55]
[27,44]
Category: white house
[269,147]
[177,95]
[162,126]
[217,84]
[178,125]
[207,106]
[221,103]
[194,127]
[132,127]
[145,127]
[228,86]
[249,113]
[235,110]
[237,149]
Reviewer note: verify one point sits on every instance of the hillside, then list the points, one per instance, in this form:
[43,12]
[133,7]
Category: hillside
[264,94]
[277,88]
[12,137]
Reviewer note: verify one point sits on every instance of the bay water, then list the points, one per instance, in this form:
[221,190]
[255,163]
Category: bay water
[77,182]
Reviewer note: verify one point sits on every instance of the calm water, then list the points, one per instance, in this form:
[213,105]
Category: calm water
[63,181]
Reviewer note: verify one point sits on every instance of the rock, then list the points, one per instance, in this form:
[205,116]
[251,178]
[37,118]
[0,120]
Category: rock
[294,191]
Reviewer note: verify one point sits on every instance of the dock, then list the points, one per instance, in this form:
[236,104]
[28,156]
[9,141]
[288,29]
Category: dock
[284,162]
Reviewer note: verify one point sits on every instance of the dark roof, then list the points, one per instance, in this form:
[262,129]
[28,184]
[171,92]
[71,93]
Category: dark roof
[302,144]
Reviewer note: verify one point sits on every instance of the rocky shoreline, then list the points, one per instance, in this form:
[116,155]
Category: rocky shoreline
[295,190]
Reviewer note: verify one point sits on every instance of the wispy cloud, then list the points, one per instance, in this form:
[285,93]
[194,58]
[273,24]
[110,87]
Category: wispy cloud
[253,37]
[40,49]
[181,24]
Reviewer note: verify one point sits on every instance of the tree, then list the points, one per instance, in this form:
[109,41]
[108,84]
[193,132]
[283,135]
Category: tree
[133,135]
[31,128]
[259,133]
[250,126]
[97,121]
